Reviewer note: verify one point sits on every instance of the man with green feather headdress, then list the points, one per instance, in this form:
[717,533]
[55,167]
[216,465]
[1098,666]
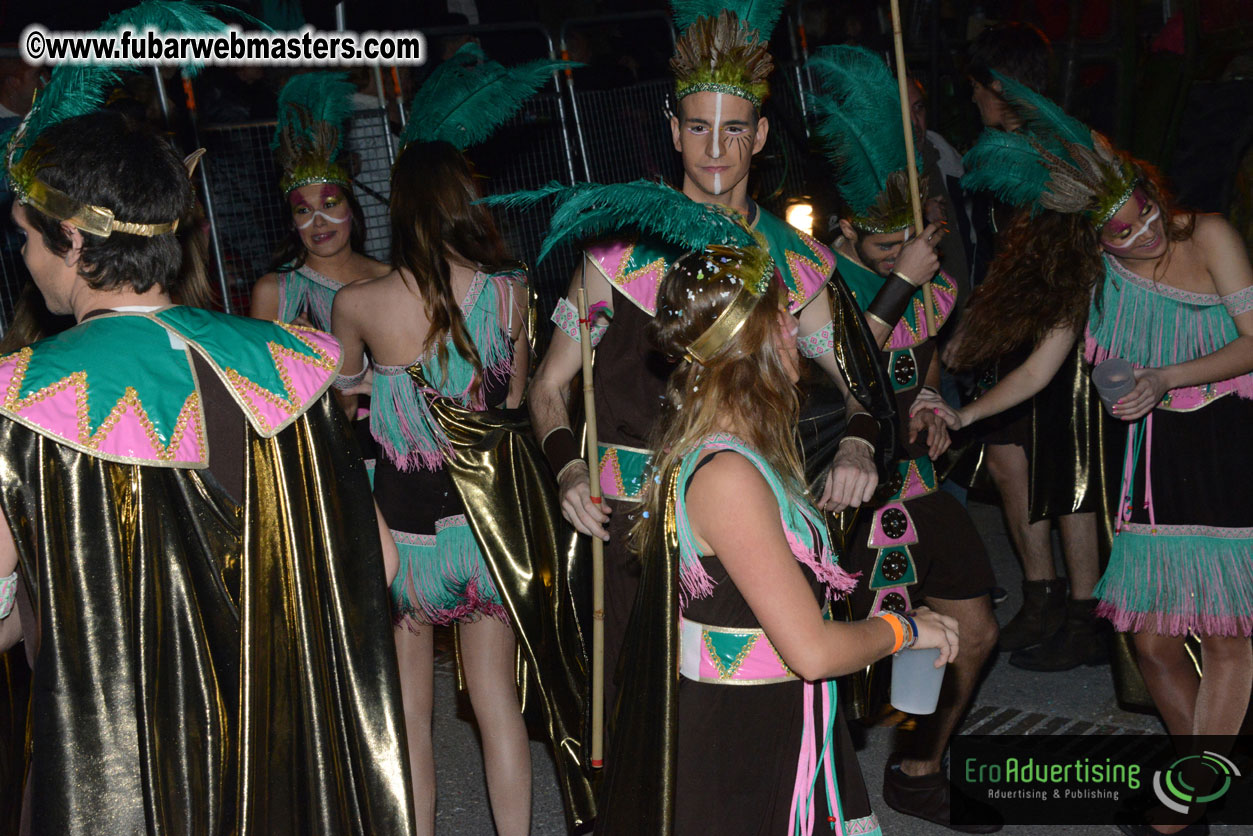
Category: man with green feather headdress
[721,68]
[918,542]
[196,562]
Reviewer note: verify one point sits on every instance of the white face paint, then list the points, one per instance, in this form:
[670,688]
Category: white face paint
[717,149]
[320,214]
[1144,227]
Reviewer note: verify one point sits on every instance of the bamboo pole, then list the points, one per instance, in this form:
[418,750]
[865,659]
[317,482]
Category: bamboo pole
[598,546]
[928,302]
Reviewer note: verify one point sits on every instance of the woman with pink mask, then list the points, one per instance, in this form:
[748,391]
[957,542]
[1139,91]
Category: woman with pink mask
[324,249]
[1100,251]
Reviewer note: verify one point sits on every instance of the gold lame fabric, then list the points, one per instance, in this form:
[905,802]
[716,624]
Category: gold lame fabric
[201,666]
[637,797]
[511,506]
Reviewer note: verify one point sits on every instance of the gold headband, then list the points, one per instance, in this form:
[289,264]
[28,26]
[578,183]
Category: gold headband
[725,327]
[92,219]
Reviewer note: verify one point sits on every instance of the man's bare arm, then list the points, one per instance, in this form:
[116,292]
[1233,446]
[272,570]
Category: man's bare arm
[548,399]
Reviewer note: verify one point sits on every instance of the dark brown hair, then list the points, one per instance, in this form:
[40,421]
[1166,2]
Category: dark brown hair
[433,211]
[1044,274]
[106,159]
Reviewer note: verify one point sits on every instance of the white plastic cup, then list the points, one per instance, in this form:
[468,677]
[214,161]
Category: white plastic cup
[1113,378]
[916,680]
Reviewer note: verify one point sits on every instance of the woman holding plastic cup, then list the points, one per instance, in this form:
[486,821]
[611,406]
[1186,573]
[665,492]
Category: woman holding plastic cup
[737,574]
[1170,292]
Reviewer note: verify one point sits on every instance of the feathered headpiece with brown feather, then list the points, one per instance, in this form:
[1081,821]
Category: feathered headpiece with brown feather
[722,48]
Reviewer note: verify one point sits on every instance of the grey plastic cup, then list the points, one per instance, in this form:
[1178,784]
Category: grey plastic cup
[916,681]
[1113,378]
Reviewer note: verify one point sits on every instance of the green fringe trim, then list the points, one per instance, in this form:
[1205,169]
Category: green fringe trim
[1181,579]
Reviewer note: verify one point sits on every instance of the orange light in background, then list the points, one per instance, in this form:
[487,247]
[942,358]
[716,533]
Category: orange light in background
[801,216]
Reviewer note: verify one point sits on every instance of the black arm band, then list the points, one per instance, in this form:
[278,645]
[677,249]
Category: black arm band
[862,425]
[560,448]
[890,302]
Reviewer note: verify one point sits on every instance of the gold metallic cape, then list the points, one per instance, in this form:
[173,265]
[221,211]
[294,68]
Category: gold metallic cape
[512,508]
[202,667]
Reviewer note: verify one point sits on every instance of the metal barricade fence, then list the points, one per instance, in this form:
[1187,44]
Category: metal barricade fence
[12,267]
[526,153]
[372,157]
[603,135]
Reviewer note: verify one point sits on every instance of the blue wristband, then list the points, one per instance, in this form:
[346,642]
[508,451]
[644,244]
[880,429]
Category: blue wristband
[913,625]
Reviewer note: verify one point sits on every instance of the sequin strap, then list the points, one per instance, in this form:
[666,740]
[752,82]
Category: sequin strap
[818,343]
[348,381]
[1239,302]
[8,594]
[566,317]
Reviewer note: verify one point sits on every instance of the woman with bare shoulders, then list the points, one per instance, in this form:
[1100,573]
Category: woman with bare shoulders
[324,249]
[1106,256]
[453,312]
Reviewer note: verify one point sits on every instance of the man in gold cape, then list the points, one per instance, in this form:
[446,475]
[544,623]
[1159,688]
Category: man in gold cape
[201,582]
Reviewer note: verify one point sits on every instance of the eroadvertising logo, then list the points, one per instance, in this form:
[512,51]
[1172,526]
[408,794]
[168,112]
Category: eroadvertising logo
[1096,779]
[1172,784]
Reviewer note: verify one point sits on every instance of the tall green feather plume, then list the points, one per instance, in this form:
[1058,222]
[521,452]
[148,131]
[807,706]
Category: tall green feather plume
[590,210]
[178,16]
[75,90]
[1009,166]
[759,15]
[315,97]
[469,96]
[859,122]
[1042,116]
[312,111]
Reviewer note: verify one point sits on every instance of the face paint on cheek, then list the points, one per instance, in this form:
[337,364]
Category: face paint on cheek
[320,214]
[1131,242]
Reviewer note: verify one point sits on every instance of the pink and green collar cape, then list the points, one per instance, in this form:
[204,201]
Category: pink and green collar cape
[636,267]
[121,386]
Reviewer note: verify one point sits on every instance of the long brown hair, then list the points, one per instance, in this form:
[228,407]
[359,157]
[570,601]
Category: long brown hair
[1046,268]
[432,212]
[745,383]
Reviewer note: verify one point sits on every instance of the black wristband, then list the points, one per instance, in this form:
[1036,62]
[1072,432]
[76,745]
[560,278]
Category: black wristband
[891,300]
[862,425]
[560,448]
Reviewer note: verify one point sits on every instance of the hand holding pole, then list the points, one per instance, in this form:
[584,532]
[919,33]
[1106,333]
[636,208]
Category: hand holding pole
[598,547]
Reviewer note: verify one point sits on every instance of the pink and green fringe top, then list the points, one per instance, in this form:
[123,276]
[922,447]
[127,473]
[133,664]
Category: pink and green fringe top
[1151,325]
[305,290]
[400,420]
[803,525]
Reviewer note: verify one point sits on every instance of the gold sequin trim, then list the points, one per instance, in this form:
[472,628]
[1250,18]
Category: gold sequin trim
[728,671]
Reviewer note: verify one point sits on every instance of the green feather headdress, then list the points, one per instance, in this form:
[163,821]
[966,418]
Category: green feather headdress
[469,96]
[859,127]
[1053,162]
[590,210]
[722,47]
[312,110]
[76,90]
